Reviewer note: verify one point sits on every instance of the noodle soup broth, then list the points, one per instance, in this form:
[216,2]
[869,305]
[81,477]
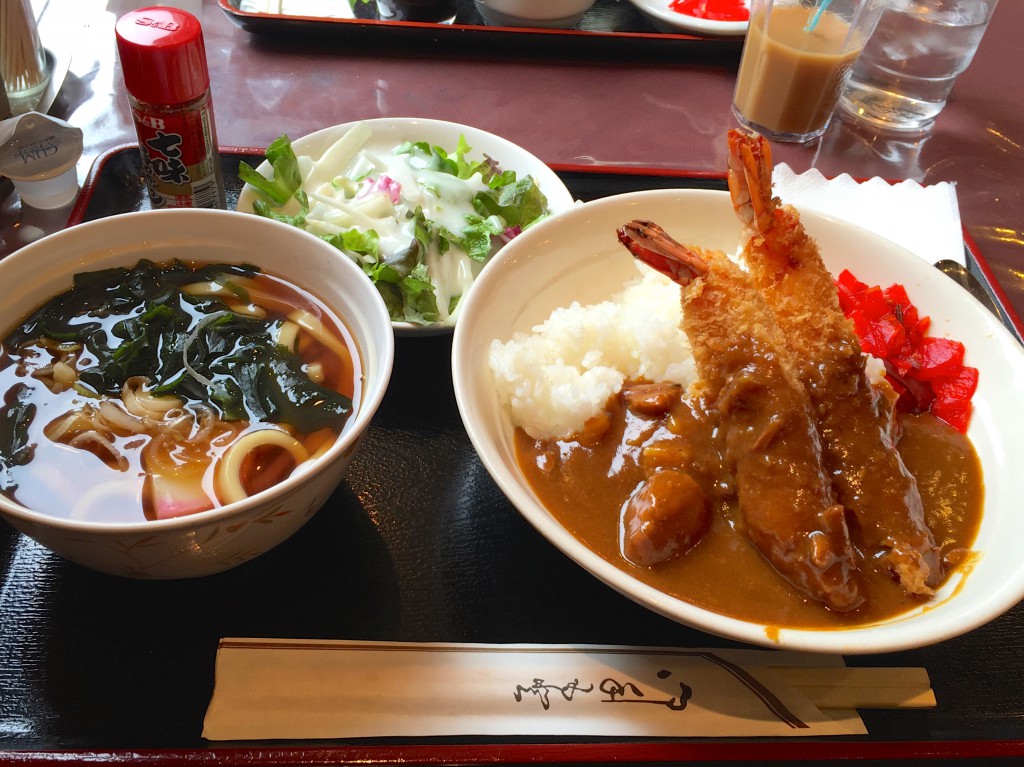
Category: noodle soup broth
[166,390]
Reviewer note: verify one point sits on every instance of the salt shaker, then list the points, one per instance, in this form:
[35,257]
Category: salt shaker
[163,58]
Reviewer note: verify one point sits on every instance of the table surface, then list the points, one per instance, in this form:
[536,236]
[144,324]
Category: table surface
[599,108]
[626,111]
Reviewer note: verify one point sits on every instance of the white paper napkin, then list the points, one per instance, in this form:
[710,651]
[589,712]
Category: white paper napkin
[923,219]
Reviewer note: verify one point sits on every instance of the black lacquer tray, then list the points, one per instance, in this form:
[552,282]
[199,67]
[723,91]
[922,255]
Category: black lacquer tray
[610,28]
[417,544]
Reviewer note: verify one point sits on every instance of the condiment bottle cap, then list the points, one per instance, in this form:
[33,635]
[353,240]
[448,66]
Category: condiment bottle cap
[162,55]
[39,154]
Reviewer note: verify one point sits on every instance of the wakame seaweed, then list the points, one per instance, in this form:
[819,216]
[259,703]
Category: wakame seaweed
[138,322]
[15,416]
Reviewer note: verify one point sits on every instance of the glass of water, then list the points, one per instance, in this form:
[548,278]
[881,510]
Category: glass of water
[902,79]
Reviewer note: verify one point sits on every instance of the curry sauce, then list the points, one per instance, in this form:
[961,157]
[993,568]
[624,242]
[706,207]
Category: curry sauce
[585,484]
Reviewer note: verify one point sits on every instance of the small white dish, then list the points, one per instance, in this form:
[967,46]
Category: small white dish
[389,132]
[545,14]
[577,257]
[665,19]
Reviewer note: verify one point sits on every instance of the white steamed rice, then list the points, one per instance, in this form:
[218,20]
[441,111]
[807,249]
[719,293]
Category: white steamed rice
[562,373]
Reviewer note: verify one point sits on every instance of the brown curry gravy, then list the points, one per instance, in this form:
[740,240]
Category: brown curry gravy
[585,484]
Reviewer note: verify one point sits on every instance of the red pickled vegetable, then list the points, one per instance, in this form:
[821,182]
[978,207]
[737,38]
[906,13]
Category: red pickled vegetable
[941,359]
[927,373]
[712,10]
[953,398]
[873,304]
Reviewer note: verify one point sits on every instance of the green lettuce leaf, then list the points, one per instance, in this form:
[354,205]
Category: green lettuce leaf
[287,179]
[519,202]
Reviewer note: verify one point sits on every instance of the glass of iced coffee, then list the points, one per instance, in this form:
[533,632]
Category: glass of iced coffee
[795,60]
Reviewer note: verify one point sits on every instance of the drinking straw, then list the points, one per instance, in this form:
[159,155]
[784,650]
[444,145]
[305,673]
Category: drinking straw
[813,22]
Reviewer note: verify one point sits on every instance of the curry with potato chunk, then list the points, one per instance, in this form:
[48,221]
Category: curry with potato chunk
[587,484]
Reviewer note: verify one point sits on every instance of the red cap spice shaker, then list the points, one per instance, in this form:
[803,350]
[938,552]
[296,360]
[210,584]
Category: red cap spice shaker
[164,63]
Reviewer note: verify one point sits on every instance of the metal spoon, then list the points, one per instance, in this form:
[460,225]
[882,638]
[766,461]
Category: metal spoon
[962,276]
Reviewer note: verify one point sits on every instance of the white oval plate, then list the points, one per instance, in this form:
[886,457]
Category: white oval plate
[576,256]
[389,132]
[667,20]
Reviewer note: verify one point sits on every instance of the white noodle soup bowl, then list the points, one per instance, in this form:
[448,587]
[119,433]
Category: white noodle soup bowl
[225,537]
[575,256]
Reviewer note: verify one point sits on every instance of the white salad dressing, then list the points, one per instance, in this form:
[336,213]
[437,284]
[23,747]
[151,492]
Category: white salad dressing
[354,186]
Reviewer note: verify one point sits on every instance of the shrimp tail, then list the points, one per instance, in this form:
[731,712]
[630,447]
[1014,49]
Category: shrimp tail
[750,179]
[649,243]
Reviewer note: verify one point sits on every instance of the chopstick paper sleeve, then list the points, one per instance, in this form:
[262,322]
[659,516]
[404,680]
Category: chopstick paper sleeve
[298,689]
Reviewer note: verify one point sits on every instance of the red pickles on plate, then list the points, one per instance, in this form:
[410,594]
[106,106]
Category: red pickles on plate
[927,372]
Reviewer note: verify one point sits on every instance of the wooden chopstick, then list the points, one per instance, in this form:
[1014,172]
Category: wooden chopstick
[845,688]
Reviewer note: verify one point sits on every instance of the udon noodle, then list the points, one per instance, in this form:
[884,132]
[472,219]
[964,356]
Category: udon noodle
[161,391]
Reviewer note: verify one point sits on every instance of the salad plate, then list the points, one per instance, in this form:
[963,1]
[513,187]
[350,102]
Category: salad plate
[665,18]
[400,195]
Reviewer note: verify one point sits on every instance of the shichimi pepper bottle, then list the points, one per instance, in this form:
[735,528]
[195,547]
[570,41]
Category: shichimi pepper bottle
[163,58]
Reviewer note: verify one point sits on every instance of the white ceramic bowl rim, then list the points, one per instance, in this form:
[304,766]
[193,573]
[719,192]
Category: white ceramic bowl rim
[963,603]
[353,428]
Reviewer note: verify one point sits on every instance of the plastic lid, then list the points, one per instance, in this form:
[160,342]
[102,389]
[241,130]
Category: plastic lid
[39,154]
[49,193]
[162,55]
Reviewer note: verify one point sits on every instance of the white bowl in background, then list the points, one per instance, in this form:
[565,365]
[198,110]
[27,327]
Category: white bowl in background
[389,132]
[550,14]
[576,256]
[222,538]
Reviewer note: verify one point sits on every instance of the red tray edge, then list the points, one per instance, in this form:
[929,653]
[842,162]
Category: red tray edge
[526,753]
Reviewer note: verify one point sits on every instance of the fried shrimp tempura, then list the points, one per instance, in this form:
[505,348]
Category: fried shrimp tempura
[772,446]
[855,417]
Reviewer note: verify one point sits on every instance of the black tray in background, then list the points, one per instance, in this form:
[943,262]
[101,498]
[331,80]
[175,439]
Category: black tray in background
[610,28]
[416,544]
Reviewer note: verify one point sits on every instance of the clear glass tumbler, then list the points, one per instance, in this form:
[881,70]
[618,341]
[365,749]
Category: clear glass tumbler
[23,64]
[795,60]
[909,66]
